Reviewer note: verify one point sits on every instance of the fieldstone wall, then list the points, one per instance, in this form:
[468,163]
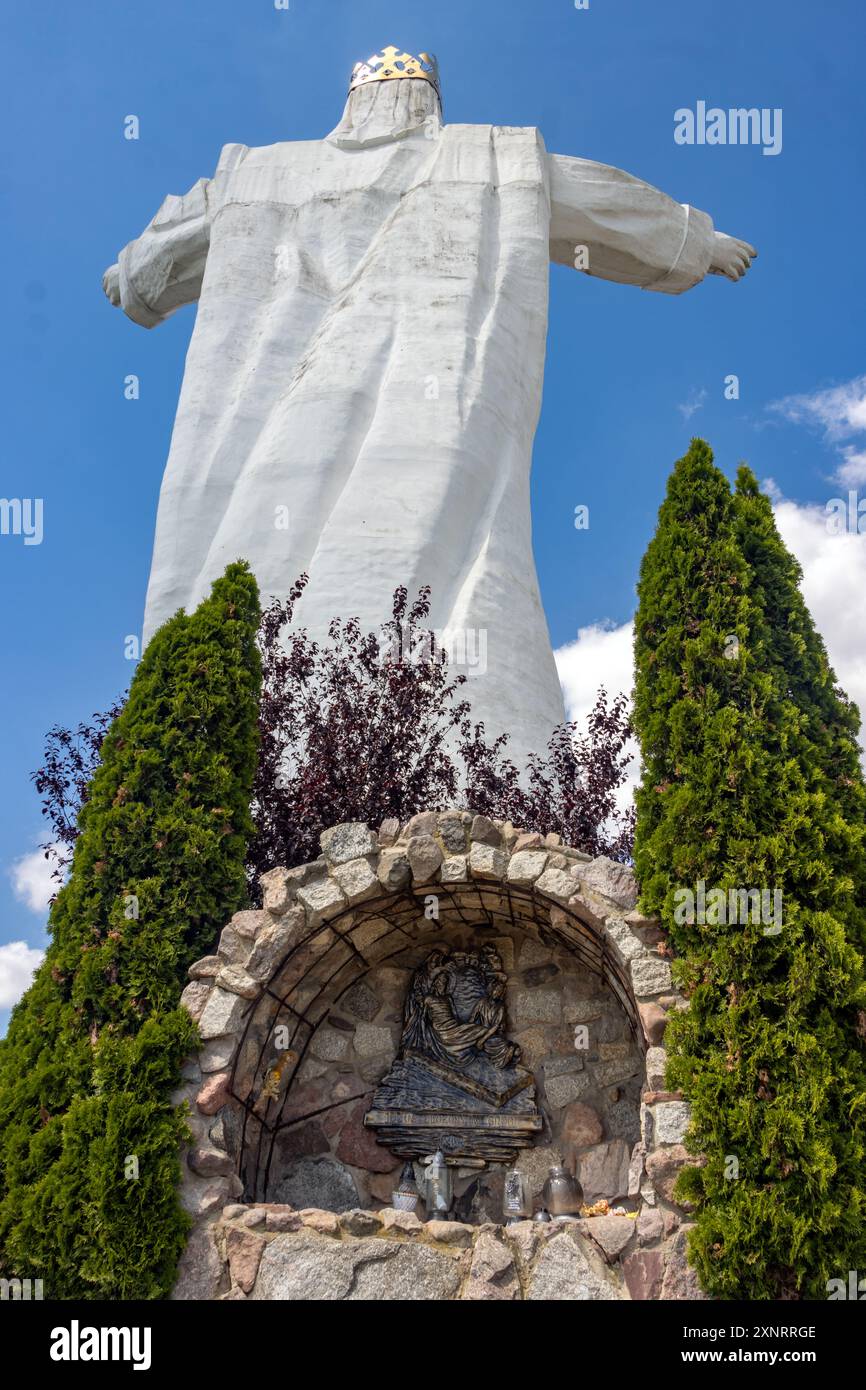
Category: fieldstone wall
[272,1253]
[327,962]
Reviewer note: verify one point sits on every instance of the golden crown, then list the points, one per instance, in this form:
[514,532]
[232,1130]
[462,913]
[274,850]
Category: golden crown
[390,65]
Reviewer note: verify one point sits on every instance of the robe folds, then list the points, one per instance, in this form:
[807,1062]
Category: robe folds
[364,379]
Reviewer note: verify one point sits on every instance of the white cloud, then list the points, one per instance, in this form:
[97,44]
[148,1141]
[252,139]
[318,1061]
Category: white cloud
[834,583]
[17,963]
[840,409]
[841,412]
[694,403]
[32,883]
[852,472]
[601,655]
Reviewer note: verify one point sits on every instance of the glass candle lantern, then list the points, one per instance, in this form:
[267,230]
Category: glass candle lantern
[406,1196]
[516,1203]
[439,1187]
[563,1195]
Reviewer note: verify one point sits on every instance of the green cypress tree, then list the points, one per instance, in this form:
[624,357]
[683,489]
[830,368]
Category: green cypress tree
[737,795]
[88,1137]
[795,650]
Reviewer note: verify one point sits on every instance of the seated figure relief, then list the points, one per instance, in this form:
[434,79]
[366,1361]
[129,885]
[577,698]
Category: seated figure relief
[432,1026]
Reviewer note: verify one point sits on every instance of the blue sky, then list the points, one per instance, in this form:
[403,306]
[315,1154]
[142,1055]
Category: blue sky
[624,371]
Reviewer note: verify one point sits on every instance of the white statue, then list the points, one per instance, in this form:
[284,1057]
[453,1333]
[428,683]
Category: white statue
[364,380]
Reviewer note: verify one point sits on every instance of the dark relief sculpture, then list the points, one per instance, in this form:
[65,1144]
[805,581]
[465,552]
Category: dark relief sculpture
[457,1083]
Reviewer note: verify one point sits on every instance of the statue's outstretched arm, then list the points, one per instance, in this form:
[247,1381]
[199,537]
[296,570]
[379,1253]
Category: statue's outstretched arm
[608,223]
[163,268]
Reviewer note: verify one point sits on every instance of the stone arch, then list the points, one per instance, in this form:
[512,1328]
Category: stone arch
[373,901]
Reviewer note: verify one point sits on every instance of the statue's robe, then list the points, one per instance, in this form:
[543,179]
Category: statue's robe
[367,362]
[448,1038]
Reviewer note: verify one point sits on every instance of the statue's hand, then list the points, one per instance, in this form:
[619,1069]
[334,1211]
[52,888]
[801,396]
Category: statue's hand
[111,284]
[731,256]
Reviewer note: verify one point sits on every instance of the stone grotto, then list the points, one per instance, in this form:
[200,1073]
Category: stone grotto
[381,968]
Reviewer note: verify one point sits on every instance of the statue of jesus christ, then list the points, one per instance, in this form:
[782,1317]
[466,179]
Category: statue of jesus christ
[364,379]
